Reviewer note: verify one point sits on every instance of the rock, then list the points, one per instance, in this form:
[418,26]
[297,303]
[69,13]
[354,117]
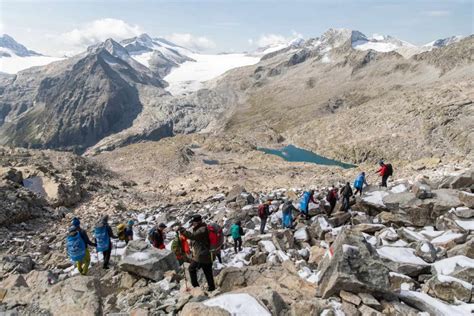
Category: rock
[466,249]
[74,296]
[339,219]
[234,193]
[395,308]
[316,254]
[320,227]
[199,309]
[368,228]
[350,309]
[369,300]
[127,281]
[422,191]
[312,307]
[465,274]
[464,180]
[144,260]
[403,260]
[14,280]
[270,298]
[428,304]
[350,297]
[258,258]
[302,234]
[20,264]
[467,199]
[426,251]
[14,175]
[354,267]
[464,212]
[368,311]
[449,288]
[396,219]
[238,304]
[400,281]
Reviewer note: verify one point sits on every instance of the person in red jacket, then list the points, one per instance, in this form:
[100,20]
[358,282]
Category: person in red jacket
[384,172]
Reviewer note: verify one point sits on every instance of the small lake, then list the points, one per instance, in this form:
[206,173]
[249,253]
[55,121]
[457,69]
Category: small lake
[295,154]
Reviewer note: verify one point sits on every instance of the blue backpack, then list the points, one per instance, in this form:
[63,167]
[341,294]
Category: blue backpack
[287,219]
[102,238]
[76,247]
[305,201]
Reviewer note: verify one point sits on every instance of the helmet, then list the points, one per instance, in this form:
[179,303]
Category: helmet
[130,223]
[76,222]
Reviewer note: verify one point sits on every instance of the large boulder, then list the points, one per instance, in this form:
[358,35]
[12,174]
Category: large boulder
[463,180]
[354,266]
[403,260]
[449,289]
[467,199]
[144,260]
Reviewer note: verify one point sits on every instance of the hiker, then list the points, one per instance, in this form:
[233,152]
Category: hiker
[237,232]
[385,171]
[263,213]
[200,244]
[216,240]
[332,198]
[346,193]
[308,196]
[359,183]
[129,231]
[157,236]
[83,258]
[180,247]
[103,235]
[287,210]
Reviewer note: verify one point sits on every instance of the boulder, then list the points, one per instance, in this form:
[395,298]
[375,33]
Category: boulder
[464,212]
[144,260]
[13,280]
[467,199]
[448,288]
[400,281]
[350,297]
[313,307]
[422,191]
[316,254]
[238,304]
[270,298]
[369,300]
[14,175]
[234,193]
[403,260]
[74,296]
[426,251]
[199,309]
[432,306]
[463,180]
[466,249]
[354,267]
[368,311]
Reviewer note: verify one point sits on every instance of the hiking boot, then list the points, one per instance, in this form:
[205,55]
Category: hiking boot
[211,289]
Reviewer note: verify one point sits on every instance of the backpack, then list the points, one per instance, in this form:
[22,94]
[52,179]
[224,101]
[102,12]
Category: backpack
[151,235]
[216,236]
[235,231]
[389,170]
[102,238]
[287,220]
[331,196]
[76,247]
[121,231]
[262,210]
[305,201]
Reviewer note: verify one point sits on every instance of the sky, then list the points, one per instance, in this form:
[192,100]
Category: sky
[65,27]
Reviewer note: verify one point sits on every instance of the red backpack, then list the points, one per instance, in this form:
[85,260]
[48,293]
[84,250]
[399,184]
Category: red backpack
[262,210]
[216,236]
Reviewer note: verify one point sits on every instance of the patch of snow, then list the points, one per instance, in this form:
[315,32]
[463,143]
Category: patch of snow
[449,279]
[446,237]
[268,245]
[301,234]
[239,304]
[326,59]
[377,46]
[190,75]
[440,307]
[140,256]
[400,254]
[399,275]
[348,248]
[406,286]
[375,197]
[398,243]
[14,64]
[448,265]
[425,247]
[414,234]
[282,256]
[399,188]
[466,224]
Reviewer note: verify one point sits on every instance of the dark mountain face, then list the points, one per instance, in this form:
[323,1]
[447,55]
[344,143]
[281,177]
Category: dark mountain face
[75,107]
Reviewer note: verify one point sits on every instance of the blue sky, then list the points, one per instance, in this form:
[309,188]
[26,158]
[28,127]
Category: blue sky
[58,27]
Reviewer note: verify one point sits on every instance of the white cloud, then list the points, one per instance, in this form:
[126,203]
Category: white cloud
[274,39]
[437,13]
[100,30]
[198,43]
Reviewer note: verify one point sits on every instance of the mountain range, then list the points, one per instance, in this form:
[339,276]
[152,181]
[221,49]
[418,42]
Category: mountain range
[144,88]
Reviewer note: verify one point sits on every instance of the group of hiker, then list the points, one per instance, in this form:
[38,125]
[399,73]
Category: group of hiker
[206,240]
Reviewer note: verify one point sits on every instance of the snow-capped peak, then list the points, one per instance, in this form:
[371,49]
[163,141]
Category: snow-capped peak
[9,47]
[444,41]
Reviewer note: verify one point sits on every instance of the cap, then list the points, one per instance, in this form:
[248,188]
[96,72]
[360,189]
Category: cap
[130,223]
[162,225]
[196,218]
[76,222]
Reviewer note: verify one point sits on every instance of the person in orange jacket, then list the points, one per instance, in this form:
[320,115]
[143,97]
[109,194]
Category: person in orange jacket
[181,249]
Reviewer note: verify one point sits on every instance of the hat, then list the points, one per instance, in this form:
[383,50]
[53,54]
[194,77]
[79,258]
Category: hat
[76,222]
[72,228]
[130,223]
[105,219]
[196,218]
[162,225]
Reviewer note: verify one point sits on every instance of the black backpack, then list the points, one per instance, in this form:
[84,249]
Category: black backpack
[389,170]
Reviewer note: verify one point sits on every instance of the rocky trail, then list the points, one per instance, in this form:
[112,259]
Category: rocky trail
[405,250]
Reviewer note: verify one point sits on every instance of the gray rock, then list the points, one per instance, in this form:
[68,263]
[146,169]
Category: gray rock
[464,212]
[449,289]
[422,191]
[464,180]
[146,261]
[426,251]
[354,267]
[467,199]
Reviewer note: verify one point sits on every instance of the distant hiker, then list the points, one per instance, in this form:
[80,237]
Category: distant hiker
[237,232]
[77,246]
[263,213]
[332,198]
[157,236]
[287,210]
[346,193]
[385,171]
[103,234]
[308,196]
[181,249]
[216,241]
[201,252]
[359,183]
[129,231]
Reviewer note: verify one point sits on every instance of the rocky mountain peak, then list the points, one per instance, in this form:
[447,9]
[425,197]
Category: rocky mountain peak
[14,47]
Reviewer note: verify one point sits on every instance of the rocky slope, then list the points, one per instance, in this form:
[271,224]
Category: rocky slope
[402,250]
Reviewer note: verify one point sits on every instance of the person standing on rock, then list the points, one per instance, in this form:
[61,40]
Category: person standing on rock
[263,213]
[181,249]
[308,196]
[346,193]
[157,236]
[129,231]
[82,264]
[103,235]
[332,198]
[201,251]
[237,232]
[385,171]
[359,183]
[287,210]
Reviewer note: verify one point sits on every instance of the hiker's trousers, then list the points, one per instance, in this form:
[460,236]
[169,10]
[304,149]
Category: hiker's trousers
[207,269]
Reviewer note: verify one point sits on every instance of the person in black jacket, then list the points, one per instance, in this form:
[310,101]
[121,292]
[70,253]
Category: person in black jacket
[346,193]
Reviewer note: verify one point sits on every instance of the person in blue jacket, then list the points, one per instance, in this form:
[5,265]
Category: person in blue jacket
[308,196]
[287,210]
[359,183]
